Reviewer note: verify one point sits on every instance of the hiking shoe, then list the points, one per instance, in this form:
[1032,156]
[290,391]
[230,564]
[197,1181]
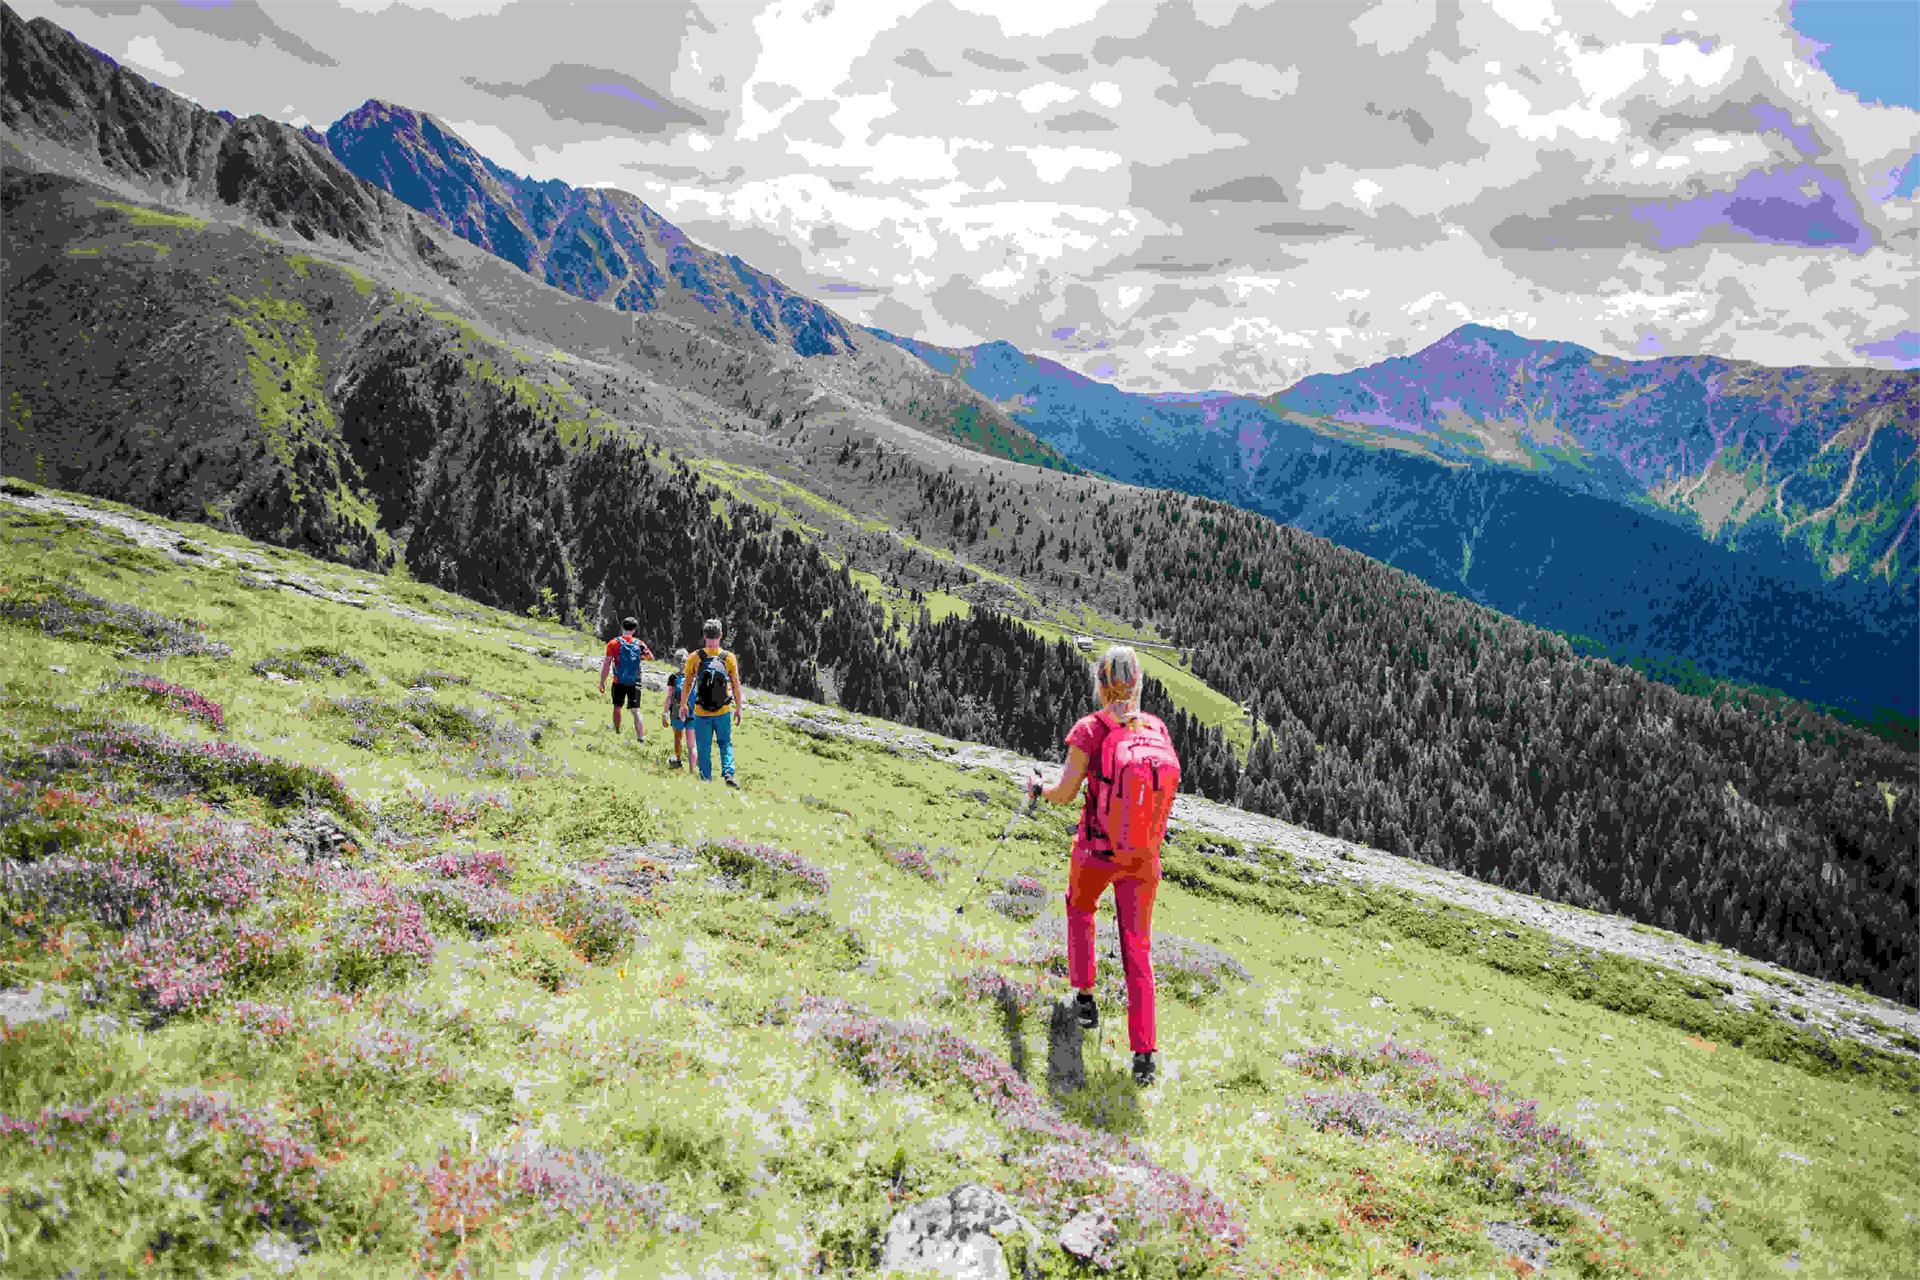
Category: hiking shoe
[1086,1010]
[1143,1069]
[730,782]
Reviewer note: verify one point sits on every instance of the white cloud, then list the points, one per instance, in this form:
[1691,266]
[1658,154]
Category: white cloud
[1256,79]
[145,53]
[1054,164]
[1023,19]
[1041,96]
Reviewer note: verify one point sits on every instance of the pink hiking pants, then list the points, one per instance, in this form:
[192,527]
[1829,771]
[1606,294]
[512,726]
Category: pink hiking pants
[1133,890]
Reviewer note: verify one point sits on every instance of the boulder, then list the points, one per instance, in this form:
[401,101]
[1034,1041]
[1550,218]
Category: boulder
[956,1235]
[319,836]
[1090,1237]
[1521,1243]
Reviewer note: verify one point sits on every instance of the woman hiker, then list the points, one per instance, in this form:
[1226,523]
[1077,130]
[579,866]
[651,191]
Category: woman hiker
[711,689]
[670,717]
[1130,784]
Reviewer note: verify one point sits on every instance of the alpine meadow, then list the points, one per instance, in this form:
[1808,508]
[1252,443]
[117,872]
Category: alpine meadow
[1541,894]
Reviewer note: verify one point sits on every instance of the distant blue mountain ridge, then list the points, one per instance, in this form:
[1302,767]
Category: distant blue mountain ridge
[1755,522]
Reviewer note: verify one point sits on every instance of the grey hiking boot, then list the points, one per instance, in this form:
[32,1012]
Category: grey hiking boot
[1086,1010]
[1143,1069]
[730,782]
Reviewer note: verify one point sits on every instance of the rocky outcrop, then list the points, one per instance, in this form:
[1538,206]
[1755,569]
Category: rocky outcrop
[60,89]
[957,1235]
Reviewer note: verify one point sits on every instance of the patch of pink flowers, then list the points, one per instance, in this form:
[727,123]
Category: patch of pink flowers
[911,858]
[179,699]
[489,867]
[985,986]
[378,930]
[382,1056]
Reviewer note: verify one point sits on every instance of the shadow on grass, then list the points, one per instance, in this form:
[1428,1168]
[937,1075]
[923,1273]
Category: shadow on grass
[1103,1097]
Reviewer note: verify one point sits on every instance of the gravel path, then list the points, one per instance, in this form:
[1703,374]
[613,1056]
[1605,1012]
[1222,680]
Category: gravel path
[1837,1010]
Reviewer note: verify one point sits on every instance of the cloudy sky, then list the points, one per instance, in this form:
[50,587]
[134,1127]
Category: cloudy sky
[1181,196]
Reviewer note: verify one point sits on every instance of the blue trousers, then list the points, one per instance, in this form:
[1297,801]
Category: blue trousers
[705,730]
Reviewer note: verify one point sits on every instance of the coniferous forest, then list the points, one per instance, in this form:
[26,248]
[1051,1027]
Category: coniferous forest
[1393,714]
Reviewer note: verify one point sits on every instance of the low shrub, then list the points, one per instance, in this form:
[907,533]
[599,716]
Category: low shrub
[489,867]
[420,722]
[371,931]
[763,867]
[422,812]
[70,613]
[472,1209]
[1405,1094]
[1069,1168]
[540,958]
[213,770]
[1019,898]
[309,662]
[194,1178]
[591,923]
[469,906]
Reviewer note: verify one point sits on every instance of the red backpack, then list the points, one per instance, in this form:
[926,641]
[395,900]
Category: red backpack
[1140,772]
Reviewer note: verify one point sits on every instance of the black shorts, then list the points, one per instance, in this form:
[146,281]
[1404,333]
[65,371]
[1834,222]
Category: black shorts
[627,695]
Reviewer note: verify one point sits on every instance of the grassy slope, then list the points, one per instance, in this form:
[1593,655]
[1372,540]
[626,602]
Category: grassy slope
[672,1060]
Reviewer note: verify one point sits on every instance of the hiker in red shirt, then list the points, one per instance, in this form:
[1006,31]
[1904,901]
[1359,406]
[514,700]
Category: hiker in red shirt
[1128,763]
[625,653]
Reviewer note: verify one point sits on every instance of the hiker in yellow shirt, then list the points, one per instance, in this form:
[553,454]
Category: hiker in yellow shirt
[710,686]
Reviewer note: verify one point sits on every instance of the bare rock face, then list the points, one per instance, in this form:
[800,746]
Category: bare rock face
[956,1235]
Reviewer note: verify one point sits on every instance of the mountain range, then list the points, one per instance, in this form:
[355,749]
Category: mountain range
[1696,515]
[1692,513]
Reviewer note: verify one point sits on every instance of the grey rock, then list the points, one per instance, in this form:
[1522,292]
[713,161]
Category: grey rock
[1090,1236]
[319,835]
[1066,1067]
[278,1252]
[21,1005]
[956,1235]
[1529,1247]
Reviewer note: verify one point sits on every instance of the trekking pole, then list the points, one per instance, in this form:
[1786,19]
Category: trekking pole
[1025,808]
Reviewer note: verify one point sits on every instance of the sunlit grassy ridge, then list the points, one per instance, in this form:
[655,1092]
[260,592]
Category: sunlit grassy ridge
[514,991]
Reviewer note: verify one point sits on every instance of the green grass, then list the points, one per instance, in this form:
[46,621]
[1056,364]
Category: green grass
[303,263]
[1188,692]
[641,1035]
[142,216]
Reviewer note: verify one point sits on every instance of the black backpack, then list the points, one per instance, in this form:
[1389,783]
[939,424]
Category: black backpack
[711,689]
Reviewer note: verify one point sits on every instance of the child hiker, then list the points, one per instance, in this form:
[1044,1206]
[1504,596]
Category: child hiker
[625,653]
[670,717]
[712,690]
[1131,771]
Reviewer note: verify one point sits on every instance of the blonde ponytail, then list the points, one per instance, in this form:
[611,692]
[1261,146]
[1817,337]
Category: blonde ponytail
[1116,680]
